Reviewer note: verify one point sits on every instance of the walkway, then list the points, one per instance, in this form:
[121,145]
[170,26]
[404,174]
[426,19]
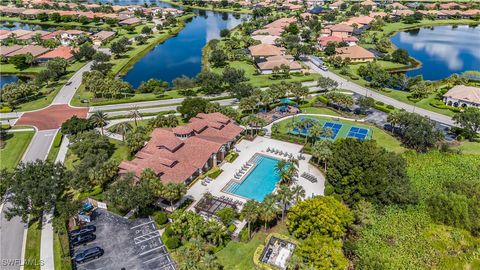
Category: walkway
[348,85]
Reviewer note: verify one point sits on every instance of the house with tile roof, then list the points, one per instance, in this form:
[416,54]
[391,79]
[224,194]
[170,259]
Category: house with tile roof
[64,52]
[355,54]
[463,96]
[181,154]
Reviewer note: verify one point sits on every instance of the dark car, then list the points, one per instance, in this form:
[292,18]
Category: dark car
[88,254]
[82,239]
[69,82]
[84,230]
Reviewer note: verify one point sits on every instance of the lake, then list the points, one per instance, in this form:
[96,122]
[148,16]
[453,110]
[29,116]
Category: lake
[443,50]
[182,54]
[25,26]
[4,79]
[132,2]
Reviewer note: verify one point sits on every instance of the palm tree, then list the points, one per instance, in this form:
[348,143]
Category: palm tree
[29,59]
[308,123]
[250,213]
[286,170]
[298,193]
[268,209]
[174,192]
[135,114]
[99,119]
[284,195]
[316,131]
[122,128]
[321,151]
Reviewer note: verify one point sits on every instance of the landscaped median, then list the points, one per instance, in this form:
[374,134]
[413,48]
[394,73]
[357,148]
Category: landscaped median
[16,143]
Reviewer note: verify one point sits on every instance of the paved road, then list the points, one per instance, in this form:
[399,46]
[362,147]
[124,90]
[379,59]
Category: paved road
[67,92]
[11,240]
[344,84]
[222,102]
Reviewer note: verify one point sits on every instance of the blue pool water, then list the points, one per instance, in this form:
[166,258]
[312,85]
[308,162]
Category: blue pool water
[259,182]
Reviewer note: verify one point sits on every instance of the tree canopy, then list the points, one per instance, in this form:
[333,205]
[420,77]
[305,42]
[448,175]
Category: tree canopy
[361,169]
[323,215]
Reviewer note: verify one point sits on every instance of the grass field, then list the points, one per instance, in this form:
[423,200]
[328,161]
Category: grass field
[407,238]
[32,249]
[239,255]
[52,155]
[471,148]
[15,145]
[210,7]
[61,252]
[319,110]
[383,139]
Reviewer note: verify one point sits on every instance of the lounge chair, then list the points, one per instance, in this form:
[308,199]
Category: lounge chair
[268,149]
[203,183]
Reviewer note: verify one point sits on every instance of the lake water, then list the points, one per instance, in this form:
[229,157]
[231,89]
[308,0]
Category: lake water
[132,2]
[443,50]
[182,54]
[25,26]
[4,79]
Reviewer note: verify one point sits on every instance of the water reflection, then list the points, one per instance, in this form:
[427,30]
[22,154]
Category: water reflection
[443,50]
[182,54]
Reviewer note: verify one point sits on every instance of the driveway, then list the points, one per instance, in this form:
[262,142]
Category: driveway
[127,244]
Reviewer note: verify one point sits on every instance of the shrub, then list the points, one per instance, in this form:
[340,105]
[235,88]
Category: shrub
[160,218]
[244,235]
[168,232]
[323,99]
[5,110]
[382,108]
[172,242]
[390,107]
[380,103]
[232,228]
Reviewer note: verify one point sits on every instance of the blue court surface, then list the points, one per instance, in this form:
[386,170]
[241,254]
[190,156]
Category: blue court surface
[356,132]
[334,127]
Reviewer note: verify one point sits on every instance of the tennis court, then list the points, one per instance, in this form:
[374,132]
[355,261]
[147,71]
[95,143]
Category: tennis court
[340,130]
[335,127]
[356,132]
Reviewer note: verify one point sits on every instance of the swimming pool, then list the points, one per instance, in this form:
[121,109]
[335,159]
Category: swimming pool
[259,182]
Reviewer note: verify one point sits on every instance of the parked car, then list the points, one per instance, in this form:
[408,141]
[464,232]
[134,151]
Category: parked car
[88,254]
[82,239]
[88,229]
[68,83]
[324,68]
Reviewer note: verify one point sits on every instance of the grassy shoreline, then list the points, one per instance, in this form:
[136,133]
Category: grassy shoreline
[52,23]
[209,7]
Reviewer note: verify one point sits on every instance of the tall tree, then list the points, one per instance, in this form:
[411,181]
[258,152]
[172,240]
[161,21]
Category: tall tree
[469,120]
[36,186]
[268,209]
[135,114]
[250,213]
[99,119]
[284,194]
[122,129]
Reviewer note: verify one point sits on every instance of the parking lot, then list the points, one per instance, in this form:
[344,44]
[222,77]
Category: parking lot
[127,244]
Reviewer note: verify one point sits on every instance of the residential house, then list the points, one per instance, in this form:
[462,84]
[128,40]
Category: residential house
[340,30]
[268,64]
[35,50]
[103,37]
[6,50]
[181,154]
[33,34]
[355,54]
[64,52]
[324,41]
[264,50]
[359,22]
[266,39]
[130,21]
[370,4]
[462,96]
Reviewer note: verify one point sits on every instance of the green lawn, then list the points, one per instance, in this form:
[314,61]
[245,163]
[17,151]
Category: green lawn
[15,145]
[407,238]
[239,255]
[52,155]
[264,80]
[319,110]
[32,249]
[61,252]
[383,139]
[54,24]
[467,147]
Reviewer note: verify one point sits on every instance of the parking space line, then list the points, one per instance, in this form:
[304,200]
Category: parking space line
[140,225]
[146,237]
[159,257]
[148,251]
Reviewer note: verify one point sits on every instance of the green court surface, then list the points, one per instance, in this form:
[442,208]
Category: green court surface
[340,128]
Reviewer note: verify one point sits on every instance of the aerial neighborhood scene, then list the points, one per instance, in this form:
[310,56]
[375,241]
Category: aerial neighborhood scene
[239,134]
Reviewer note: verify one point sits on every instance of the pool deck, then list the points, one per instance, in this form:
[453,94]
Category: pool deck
[247,150]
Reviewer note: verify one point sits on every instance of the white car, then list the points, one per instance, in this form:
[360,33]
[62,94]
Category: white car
[324,68]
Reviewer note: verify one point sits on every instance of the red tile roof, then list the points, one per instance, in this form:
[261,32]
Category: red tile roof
[176,159]
[61,51]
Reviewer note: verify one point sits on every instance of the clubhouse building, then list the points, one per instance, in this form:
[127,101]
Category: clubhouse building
[182,153]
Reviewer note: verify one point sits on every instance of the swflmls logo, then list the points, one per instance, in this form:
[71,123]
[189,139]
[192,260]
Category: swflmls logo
[18,262]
